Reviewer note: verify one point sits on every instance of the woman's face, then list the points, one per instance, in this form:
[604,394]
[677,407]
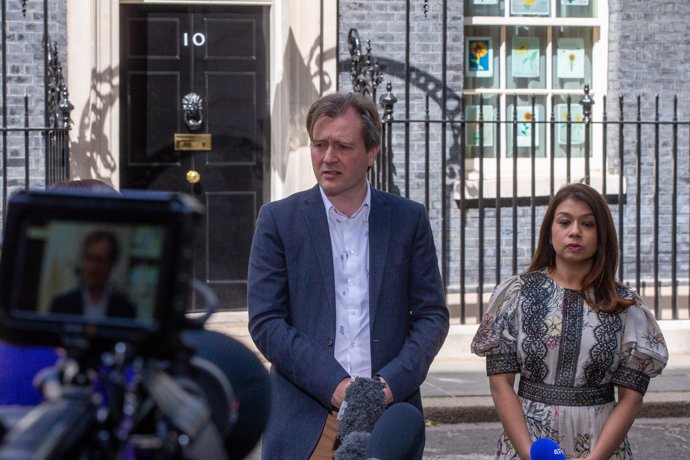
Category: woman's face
[574,233]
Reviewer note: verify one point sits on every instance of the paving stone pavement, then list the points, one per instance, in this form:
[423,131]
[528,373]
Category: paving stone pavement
[462,422]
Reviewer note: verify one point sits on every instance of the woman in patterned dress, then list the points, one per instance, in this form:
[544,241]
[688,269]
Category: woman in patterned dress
[572,332]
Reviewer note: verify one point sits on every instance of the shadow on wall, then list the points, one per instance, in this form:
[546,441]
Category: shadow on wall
[90,154]
[302,83]
[428,85]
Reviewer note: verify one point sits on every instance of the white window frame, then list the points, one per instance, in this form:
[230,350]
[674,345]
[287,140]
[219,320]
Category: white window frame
[598,87]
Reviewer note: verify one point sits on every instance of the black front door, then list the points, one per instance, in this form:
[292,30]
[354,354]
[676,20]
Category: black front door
[214,58]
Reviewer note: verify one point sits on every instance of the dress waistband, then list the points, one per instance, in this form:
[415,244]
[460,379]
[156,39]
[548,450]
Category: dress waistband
[566,396]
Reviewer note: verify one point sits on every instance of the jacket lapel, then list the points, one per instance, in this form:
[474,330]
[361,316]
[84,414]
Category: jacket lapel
[317,228]
[379,235]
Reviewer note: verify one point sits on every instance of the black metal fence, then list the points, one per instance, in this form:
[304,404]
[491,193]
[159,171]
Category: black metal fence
[486,223]
[33,156]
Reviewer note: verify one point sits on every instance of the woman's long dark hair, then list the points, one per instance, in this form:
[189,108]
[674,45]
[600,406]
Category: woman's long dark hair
[599,285]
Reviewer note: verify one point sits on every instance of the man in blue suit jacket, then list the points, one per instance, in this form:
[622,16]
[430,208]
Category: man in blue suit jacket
[95,295]
[343,282]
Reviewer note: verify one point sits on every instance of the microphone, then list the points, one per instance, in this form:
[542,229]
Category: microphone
[398,435]
[363,406]
[251,387]
[546,449]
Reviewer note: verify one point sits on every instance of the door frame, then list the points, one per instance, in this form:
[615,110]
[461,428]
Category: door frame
[298,29]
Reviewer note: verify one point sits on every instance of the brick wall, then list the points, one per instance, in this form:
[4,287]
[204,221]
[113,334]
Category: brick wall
[25,78]
[417,82]
[648,50]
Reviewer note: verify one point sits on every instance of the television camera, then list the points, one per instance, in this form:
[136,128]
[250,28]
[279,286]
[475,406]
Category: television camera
[138,376]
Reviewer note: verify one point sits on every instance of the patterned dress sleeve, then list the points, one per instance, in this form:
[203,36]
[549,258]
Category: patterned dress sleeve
[643,349]
[496,338]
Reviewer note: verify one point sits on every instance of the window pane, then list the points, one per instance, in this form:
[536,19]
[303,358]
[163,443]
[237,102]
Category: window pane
[572,57]
[529,7]
[481,57]
[570,134]
[528,134]
[576,8]
[481,129]
[526,57]
[484,7]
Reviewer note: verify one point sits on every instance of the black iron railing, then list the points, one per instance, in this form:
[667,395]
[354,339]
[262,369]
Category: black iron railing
[33,156]
[486,205]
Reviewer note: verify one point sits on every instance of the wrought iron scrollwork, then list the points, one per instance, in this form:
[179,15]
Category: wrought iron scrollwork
[59,106]
[364,68]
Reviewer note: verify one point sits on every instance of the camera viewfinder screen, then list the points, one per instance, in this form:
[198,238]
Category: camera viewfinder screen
[90,269]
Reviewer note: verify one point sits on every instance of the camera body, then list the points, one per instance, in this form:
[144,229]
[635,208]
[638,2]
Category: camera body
[106,279]
[43,239]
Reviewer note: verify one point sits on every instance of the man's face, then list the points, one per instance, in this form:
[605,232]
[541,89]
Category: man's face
[339,157]
[96,264]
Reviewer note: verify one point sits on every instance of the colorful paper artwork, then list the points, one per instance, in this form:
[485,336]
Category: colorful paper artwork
[525,57]
[529,7]
[479,57]
[524,126]
[474,130]
[577,128]
[571,58]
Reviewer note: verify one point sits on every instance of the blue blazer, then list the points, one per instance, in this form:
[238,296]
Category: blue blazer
[291,302]
[72,302]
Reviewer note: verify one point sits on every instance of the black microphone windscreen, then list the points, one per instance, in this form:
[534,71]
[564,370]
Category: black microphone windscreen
[546,449]
[398,435]
[250,384]
[353,447]
[364,403]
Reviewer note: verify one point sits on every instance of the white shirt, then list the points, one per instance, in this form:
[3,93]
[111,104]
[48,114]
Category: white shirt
[350,243]
[91,308]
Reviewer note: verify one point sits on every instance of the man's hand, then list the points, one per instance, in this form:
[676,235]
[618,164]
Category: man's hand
[339,393]
[387,393]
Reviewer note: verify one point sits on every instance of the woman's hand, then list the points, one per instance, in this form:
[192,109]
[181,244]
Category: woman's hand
[510,412]
[617,425]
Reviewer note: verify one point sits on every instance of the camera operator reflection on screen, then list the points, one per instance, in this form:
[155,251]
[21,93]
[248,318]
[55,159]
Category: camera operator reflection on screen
[95,295]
